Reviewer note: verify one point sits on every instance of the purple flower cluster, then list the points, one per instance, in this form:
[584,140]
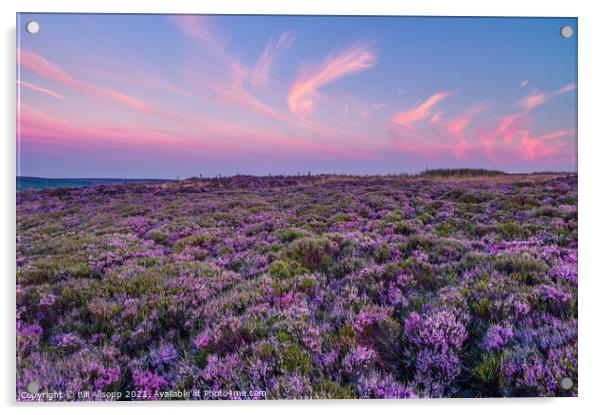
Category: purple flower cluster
[434,342]
[376,386]
[147,383]
[300,287]
[497,337]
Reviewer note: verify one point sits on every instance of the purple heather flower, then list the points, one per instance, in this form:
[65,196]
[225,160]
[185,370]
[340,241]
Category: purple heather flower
[104,302]
[358,359]
[370,315]
[148,383]
[497,336]
[377,386]
[67,340]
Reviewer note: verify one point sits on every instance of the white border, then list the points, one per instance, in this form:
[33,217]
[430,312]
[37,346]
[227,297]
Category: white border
[590,28]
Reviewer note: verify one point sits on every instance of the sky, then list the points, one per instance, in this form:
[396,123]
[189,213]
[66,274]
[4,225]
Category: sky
[165,96]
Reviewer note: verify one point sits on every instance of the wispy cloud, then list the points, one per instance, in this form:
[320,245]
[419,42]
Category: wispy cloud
[305,88]
[43,67]
[231,84]
[530,148]
[555,134]
[39,128]
[38,64]
[436,119]
[516,138]
[200,29]
[457,125]
[44,128]
[261,72]
[509,138]
[234,93]
[535,99]
[420,111]
[510,125]
[514,126]
[226,85]
[565,89]
[40,89]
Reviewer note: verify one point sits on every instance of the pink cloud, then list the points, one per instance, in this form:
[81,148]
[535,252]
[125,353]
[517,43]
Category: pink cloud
[37,64]
[229,85]
[518,141]
[555,134]
[135,75]
[233,93]
[43,129]
[457,126]
[536,99]
[230,88]
[419,112]
[436,119]
[525,148]
[46,129]
[533,100]
[304,89]
[507,130]
[43,67]
[358,109]
[40,89]
[513,128]
[264,66]
[530,148]
[507,142]
[199,28]
[510,125]
[565,89]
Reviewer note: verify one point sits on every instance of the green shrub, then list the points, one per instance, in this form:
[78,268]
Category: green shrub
[289,234]
[488,369]
[201,359]
[327,389]
[382,254]
[510,230]
[340,217]
[294,360]
[524,268]
[313,253]
[199,240]
[444,229]
[307,284]
[279,269]
[403,228]
[158,236]
[347,265]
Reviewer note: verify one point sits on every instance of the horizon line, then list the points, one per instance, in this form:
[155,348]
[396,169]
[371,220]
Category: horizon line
[301,174]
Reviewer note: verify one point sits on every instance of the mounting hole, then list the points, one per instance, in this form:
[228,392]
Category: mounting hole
[32,27]
[33,387]
[566,383]
[566,32]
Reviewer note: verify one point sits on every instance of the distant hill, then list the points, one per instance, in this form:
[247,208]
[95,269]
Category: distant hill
[461,172]
[37,183]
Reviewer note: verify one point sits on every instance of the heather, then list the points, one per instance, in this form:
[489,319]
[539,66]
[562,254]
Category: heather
[302,287]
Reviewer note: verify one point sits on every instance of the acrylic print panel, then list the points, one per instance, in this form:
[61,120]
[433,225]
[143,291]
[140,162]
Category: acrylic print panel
[293,207]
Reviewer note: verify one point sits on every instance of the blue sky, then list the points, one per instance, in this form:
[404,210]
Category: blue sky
[165,96]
